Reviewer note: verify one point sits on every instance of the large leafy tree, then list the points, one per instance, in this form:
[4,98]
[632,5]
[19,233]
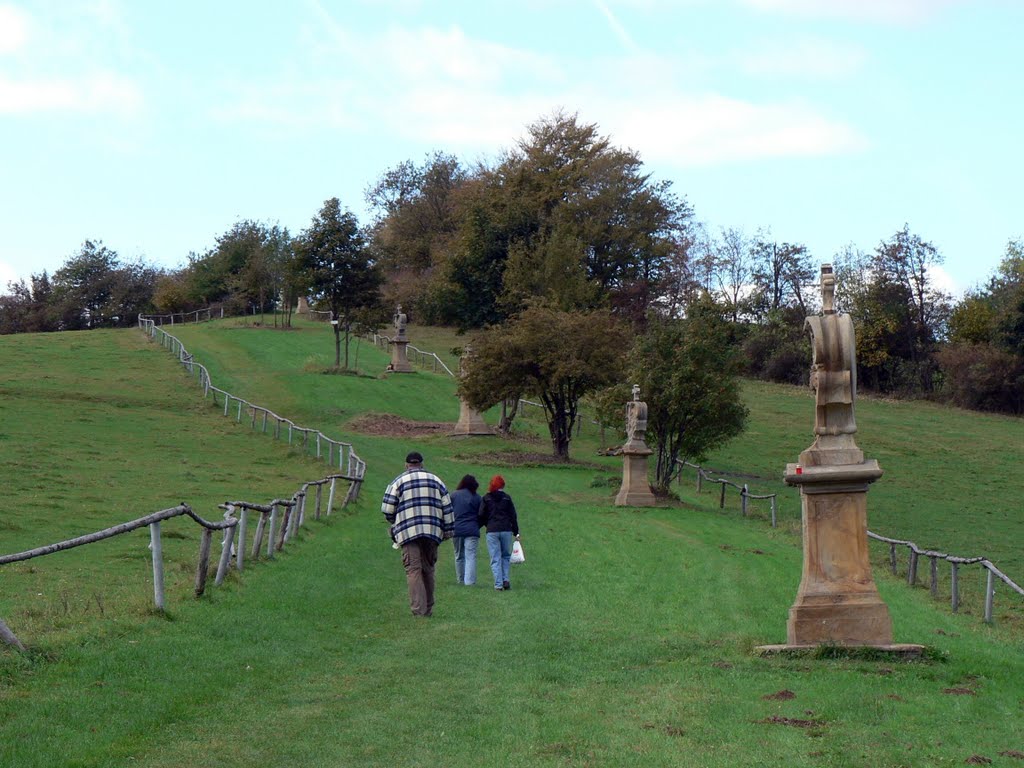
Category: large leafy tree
[553,355]
[84,286]
[338,269]
[688,376]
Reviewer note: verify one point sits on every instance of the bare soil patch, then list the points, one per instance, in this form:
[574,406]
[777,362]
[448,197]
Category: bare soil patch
[389,425]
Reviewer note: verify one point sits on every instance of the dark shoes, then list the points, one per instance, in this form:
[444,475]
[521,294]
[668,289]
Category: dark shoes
[506,585]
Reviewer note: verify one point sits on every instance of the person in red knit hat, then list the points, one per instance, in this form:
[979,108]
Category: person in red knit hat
[498,513]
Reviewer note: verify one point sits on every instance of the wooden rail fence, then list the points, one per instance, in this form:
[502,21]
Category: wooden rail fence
[914,552]
[335,452]
[279,521]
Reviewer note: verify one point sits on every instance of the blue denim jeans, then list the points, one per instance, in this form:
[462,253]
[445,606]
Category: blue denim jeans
[499,545]
[465,559]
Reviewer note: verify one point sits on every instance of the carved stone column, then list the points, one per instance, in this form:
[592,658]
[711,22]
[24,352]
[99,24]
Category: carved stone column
[636,489]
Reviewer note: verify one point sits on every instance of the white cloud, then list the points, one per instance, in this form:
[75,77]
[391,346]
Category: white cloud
[712,129]
[892,11]
[810,59]
[7,275]
[14,29]
[90,93]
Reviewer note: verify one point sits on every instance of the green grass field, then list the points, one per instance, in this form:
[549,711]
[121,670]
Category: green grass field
[626,640]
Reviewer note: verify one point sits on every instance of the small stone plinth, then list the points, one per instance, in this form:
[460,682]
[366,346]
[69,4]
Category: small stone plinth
[470,422]
[635,490]
[902,651]
[399,357]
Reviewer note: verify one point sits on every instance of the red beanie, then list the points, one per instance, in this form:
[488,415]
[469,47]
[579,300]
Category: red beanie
[497,483]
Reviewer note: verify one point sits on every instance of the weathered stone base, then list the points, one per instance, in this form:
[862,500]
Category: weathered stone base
[400,358]
[907,651]
[635,490]
[858,619]
[470,423]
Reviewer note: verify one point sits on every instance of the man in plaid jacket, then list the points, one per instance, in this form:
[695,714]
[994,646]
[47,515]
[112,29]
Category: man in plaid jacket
[419,509]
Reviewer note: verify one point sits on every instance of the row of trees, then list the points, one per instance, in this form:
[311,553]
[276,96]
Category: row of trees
[566,220]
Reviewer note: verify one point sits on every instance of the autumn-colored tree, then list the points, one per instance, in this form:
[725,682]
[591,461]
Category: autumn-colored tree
[552,355]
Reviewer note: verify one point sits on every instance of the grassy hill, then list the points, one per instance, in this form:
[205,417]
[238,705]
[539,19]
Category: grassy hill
[626,640]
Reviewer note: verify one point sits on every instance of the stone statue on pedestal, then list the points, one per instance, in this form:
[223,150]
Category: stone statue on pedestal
[635,490]
[399,352]
[837,601]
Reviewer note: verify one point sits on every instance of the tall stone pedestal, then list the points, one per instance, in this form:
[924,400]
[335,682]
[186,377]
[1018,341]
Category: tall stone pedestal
[635,490]
[837,601]
[470,422]
[400,356]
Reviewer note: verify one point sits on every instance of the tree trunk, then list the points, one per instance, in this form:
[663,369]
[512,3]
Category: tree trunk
[347,328]
[337,346]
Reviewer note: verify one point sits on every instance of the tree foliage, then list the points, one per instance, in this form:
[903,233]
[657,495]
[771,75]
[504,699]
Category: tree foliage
[688,376]
[552,355]
[338,269]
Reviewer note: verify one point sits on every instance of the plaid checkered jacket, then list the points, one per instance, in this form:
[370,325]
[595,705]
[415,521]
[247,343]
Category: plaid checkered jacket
[417,504]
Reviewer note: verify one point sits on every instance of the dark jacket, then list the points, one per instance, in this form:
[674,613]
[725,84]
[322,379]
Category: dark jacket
[467,509]
[498,513]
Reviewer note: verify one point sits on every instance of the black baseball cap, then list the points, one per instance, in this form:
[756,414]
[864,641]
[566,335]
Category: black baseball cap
[414,458]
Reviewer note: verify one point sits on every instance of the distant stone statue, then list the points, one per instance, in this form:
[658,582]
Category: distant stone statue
[400,320]
[636,421]
[834,380]
[635,490]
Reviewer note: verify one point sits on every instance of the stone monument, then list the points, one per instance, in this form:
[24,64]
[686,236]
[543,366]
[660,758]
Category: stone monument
[837,601]
[470,421]
[399,354]
[635,490]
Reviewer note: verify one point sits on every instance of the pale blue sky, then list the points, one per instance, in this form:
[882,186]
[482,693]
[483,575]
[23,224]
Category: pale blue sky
[155,126]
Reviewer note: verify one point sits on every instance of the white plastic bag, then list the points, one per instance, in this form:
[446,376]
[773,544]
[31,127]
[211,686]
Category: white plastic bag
[517,552]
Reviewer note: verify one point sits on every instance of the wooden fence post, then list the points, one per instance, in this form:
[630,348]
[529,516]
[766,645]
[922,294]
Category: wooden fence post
[257,539]
[743,500]
[892,558]
[721,499]
[700,478]
[240,549]
[330,496]
[954,586]
[204,561]
[8,637]
[912,568]
[284,532]
[990,591]
[774,509]
[319,492]
[933,581]
[225,554]
[270,533]
[158,565]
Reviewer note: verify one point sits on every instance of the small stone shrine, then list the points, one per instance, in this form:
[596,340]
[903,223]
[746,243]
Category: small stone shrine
[837,601]
[399,354]
[470,421]
[635,490]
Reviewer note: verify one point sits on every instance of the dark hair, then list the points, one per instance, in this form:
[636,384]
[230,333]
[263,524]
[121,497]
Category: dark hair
[469,482]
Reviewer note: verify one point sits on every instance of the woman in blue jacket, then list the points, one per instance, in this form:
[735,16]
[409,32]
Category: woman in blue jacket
[466,503]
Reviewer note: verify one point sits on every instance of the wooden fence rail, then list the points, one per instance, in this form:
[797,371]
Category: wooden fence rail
[745,494]
[269,536]
[335,452]
[914,552]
